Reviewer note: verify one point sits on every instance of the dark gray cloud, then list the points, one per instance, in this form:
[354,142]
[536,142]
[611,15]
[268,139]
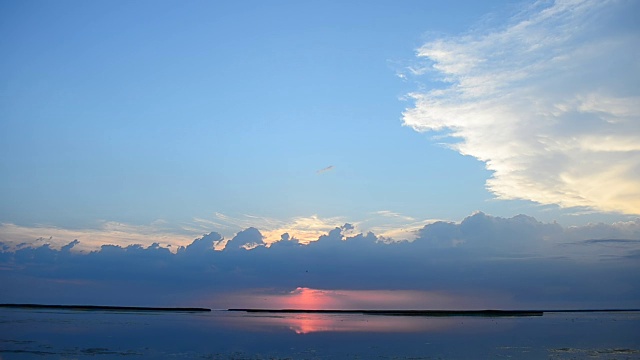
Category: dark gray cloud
[532,263]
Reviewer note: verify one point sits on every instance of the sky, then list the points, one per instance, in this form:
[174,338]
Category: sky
[320,153]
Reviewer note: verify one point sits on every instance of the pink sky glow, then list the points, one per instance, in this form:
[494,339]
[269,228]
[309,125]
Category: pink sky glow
[318,299]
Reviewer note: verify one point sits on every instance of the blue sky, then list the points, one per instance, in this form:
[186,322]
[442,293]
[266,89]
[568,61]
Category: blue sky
[159,121]
[137,112]
[158,112]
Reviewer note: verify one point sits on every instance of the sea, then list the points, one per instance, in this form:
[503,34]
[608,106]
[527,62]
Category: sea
[77,334]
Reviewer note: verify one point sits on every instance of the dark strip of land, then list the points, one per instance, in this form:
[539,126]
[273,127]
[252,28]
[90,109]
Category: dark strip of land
[104,308]
[594,310]
[486,313]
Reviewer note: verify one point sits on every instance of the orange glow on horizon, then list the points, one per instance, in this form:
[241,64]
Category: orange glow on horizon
[308,299]
[304,298]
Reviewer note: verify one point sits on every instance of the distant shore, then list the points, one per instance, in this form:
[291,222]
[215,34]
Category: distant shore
[486,313]
[104,308]
[444,313]
[432,313]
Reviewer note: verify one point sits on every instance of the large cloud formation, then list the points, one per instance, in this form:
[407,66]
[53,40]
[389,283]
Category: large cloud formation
[550,102]
[513,262]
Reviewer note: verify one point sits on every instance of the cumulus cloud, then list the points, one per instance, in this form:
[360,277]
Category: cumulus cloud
[548,101]
[246,239]
[530,263]
[303,228]
[518,233]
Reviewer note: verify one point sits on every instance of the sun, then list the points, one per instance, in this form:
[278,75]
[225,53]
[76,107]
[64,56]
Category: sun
[308,299]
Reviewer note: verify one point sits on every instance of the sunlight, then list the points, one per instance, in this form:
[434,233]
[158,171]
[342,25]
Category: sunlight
[309,299]
[314,323]
[304,298]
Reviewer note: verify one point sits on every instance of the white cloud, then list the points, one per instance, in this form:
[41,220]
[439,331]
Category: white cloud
[550,103]
[393,226]
[392,214]
[303,228]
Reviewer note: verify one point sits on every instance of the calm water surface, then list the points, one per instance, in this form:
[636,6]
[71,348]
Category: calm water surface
[57,334]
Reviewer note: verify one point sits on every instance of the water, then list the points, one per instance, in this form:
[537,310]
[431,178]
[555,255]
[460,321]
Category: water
[63,334]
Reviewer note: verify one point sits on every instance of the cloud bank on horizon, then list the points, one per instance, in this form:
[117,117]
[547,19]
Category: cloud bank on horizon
[481,261]
[549,102]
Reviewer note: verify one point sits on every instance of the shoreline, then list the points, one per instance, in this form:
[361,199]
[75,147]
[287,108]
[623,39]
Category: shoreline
[391,312]
[104,308]
[433,313]
[444,313]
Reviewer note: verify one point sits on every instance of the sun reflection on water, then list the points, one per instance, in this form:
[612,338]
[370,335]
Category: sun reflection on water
[315,323]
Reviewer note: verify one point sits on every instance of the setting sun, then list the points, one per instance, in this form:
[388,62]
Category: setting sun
[310,299]
[285,179]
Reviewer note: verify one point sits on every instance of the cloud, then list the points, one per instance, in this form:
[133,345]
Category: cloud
[114,233]
[391,214]
[246,239]
[393,226]
[618,230]
[204,244]
[328,168]
[519,233]
[520,260]
[303,228]
[549,102]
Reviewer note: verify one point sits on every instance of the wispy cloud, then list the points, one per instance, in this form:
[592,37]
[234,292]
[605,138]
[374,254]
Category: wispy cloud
[328,168]
[392,214]
[549,102]
[393,226]
[112,233]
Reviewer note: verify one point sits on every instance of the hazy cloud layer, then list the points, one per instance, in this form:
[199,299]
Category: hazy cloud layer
[510,262]
[548,101]
[114,233]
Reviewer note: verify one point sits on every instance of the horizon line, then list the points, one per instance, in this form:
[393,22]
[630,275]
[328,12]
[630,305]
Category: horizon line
[407,312]
[105,307]
[430,312]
